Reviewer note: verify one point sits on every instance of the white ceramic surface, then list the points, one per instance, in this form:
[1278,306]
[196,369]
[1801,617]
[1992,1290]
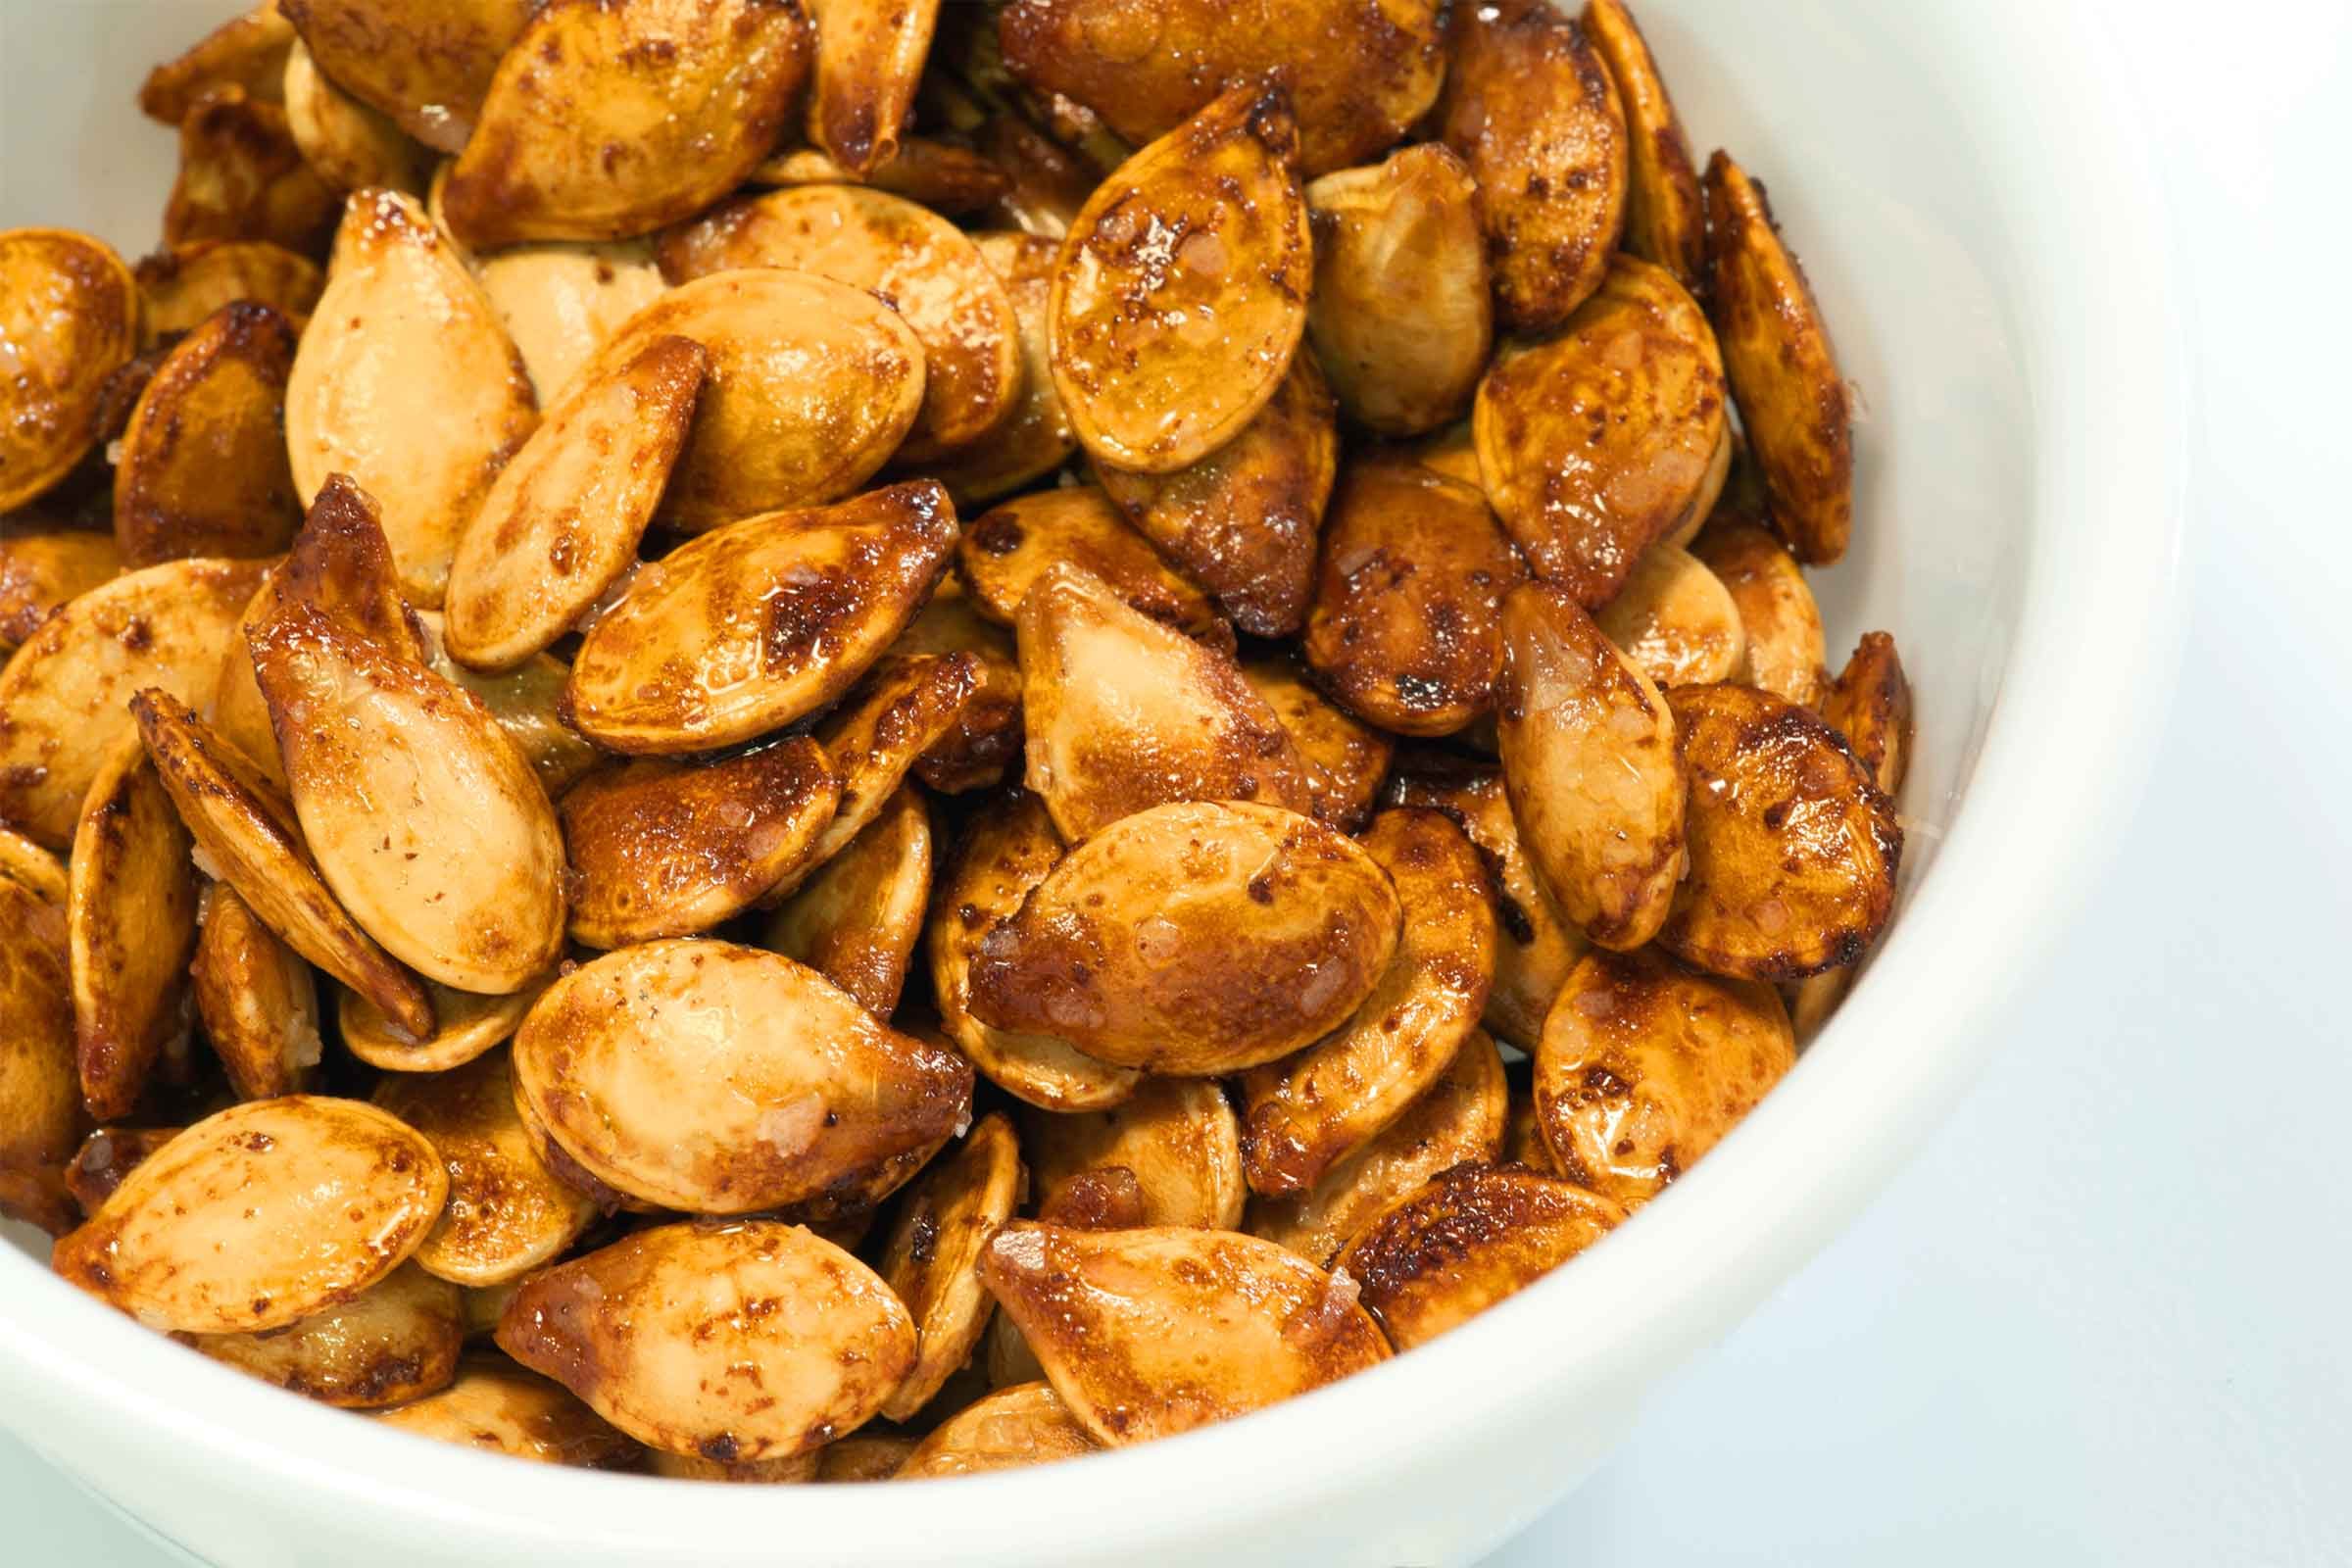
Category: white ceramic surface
[1966,186]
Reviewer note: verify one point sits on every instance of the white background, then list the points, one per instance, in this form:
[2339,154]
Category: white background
[2101,1318]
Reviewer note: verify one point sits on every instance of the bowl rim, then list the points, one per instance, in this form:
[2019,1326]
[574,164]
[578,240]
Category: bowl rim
[2045,803]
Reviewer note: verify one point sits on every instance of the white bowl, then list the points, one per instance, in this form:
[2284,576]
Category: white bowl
[1968,190]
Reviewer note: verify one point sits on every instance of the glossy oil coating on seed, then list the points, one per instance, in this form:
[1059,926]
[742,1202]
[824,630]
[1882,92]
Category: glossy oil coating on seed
[1183,287]
[406,382]
[257,997]
[62,694]
[182,284]
[131,920]
[1193,937]
[928,1259]
[1601,440]
[40,571]
[658,848]
[923,266]
[425,819]
[1123,714]
[869,59]
[563,521]
[1012,1428]
[559,302]
[498,1408]
[69,313]
[247,50]
[1174,1142]
[1665,218]
[40,1091]
[750,626]
[718,1079]
[855,919]
[347,143]
[1360,71]
[201,465]
[247,833]
[394,1342]
[1594,768]
[1148,1332]
[736,1342]
[943,175]
[1036,438]
[527,703]
[1439,1256]
[1005,551]
[1786,653]
[1402,314]
[1645,1067]
[242,177]
[812,386]
[987,735]
[1793,403]
[1675,621]
[1303,1114]
[1794,850]
[1530,108]
[1407,627]
[507,1213]
[462,1025]
[1242,521]
[425,62]
[1459,1118]
[1870,704]
[31,867]
[259,1216]
[605,121]
[1006,850]
[1347,759]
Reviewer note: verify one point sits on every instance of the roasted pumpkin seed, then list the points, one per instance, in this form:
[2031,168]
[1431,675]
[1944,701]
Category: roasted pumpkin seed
[928,1261]
[69,313]
[1174,1142]
[394,1342]
[855,919]
[257,997]
[1023,1425]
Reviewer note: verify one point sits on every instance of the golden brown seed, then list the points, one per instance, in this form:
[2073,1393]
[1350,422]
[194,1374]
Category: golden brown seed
[182,284]
[561,522]
[41,1091]
[1459,1118]
[658,1331]
[241,176]
[498,1408]
[1123,712]
[1535,943]
[758,1472]
[257,997]
[1242,521]
[658,848]
[462,1025]
[1005,551]
[108,1155]
[1794,850]
[245,831]
[1599,441]
[1407,627]
[1403,314]
[870,58]
[464,882]
[62,694]
[1793,403]
[259,1216]
[40,571]
[425,62]
[1305,1113]
[616,1061]
[1348,759]
[69,313]
[1036,437]
[527,702]
[1645,1067]
[394,1342]
[561,302]
[1175,1142]
[861,1456]
[987,735]
[1148,1332]
[31,867]
[1786,651]
[604,122]
[506,1214]
[131,922]
[1006,850]
[1675,621]
[1193,937]
[1665,219]
[1164,348]
[348,144]
[1361,73]
[248,51]
[202,467]
[941,174]
[1012,1428]
[1592,765]
[1870,704]
[928,1261]
[812,386]
[1530,109]
[855,919]
[1439,1256]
